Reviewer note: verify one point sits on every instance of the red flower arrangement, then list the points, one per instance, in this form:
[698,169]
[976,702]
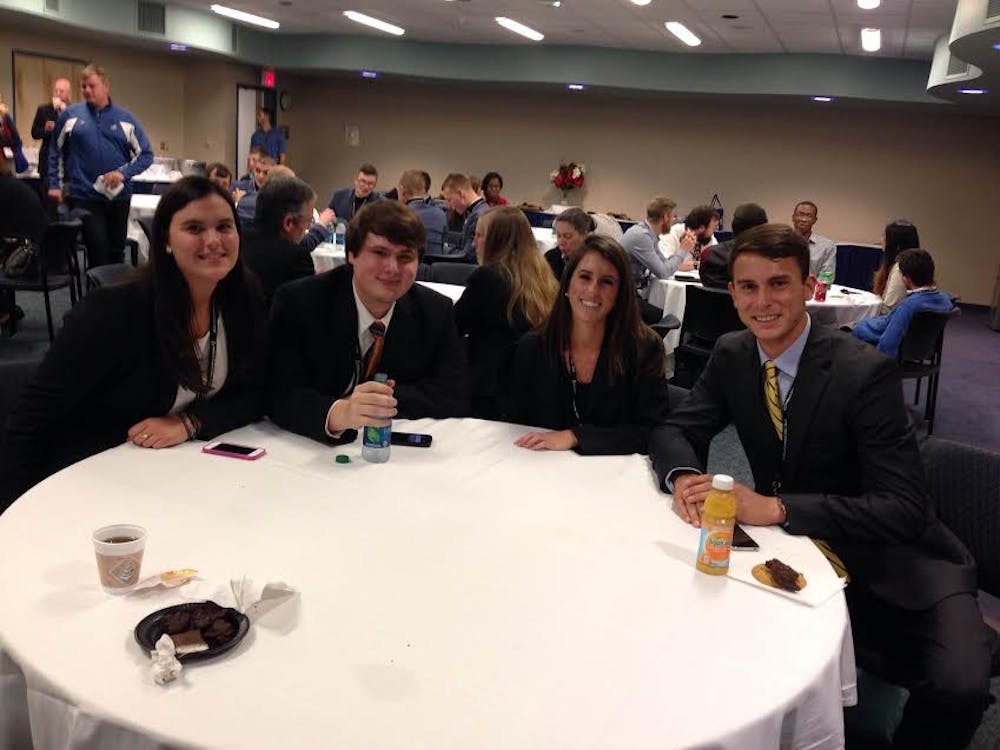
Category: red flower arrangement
[568,176]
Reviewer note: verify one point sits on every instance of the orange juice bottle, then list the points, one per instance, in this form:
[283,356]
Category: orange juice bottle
[718,516]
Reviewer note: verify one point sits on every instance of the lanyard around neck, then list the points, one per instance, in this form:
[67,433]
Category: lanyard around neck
[213,334]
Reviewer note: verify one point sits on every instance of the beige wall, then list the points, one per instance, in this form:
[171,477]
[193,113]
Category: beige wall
[863,166]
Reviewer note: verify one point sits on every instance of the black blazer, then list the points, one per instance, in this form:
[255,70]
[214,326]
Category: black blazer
[105,372]
[314,353]
[556,261]
[620,414]
[714,270]
[44,113]
[852,474]
[481,313]
[342,202]
[274,261]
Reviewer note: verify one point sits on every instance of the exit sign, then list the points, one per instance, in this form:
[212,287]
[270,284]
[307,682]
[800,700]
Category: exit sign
[267,79]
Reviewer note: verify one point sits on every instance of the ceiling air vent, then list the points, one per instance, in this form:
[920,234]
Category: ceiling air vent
[993,9]
[152,18]
[52,5]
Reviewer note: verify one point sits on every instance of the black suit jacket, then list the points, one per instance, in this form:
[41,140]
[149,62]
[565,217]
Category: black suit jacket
[620,413]
[852,474]
[556,261]
[342,202]
[714,269]
[314,353]
[104,373]
[274,260]
[43,114]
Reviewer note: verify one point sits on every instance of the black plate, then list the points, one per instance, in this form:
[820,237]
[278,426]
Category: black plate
[152,626]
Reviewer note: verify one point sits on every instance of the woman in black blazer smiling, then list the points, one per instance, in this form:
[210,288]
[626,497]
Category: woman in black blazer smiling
[171,355]
[593,377]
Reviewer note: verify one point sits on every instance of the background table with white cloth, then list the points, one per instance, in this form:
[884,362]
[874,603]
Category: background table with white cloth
[545,238]
[472,594]
[840,308]
[141,205]
[326,256]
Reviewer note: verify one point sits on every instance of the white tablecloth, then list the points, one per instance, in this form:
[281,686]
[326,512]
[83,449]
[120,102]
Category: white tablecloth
[141,205]
[326,256]
[472,594]
[451,291]
[545,238]
[839,309]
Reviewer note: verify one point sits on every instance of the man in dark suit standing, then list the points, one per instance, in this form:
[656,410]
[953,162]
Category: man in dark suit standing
[348,201]
[463,199]
[45,122]
[834,457]
[332,332]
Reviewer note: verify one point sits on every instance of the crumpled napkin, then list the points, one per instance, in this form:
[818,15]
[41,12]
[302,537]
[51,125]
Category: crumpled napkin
[272,596]
[164,665]
[108,192]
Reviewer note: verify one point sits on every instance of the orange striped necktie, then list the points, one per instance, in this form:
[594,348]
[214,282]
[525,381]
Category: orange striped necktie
[374,356]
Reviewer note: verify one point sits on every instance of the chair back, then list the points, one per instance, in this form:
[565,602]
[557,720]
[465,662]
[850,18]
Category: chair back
[964,482]
[58,249]
[924,338]
[13,376]
[146,224]
[452,273]
[423,272]
[708,313]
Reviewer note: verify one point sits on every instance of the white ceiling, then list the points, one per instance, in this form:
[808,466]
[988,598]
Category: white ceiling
[909,27]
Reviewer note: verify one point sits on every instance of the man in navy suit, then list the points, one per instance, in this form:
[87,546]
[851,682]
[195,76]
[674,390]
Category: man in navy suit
[462,198]
[348,201]
[412,193]
[834,457]
[331,333]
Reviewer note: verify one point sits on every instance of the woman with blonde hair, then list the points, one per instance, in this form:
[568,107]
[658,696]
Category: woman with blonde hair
[510,293]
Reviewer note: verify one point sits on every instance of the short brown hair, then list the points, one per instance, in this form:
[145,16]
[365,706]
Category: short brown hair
[659,207]
[456,181]
[700,216]
[412,181]
[917,265]
[390,219]
[93,69]
[772,241]
[368,168]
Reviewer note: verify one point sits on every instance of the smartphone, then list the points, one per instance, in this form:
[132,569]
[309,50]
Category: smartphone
[743,541]
[246,452]
[413,439]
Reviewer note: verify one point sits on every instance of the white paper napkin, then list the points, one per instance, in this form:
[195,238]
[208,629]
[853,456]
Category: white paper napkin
[101,187]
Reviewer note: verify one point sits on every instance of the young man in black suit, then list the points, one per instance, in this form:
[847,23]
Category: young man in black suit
[332,332]
[834,457]
[45,122]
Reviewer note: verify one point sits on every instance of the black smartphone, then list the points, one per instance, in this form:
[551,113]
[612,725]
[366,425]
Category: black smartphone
[743,541]
[413,439]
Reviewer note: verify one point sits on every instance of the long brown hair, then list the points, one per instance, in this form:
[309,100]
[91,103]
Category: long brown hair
[624,330]
[900,235]
[509,246]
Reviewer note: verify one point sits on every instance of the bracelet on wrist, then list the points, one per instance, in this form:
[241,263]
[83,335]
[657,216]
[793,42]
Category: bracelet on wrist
[783,511]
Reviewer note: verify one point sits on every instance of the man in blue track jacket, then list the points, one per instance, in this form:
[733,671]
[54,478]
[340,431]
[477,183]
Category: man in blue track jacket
[97,147]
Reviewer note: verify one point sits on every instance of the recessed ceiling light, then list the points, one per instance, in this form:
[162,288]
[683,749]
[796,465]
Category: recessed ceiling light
[556,3]
[178,47]
[871,40]
[997,47]
[683,33]
[869,4]
[520,28]
[641,2]
[575,86]
[369,74]
[824,99]
[972,91]
[374,23]
[239,15]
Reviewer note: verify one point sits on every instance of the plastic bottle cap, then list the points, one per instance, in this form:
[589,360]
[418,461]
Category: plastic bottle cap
[343,458]
[722,482]
[381,377]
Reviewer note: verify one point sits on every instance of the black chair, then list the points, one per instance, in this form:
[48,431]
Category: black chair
[668,323]
[452,273]
[106,275]
[423,272]
[708,313]
[920,356]
[57,267]
[146,224]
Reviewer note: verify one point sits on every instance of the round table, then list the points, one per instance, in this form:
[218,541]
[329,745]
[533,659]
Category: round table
[841,308]
[545,238]
[473,594]
[326,256]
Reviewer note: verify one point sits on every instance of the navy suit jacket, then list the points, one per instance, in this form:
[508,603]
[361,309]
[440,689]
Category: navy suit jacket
[342,202]
[852,474]
[435,222]
[314,354]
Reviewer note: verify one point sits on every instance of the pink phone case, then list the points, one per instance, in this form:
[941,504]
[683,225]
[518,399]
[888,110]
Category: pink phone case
[258,452]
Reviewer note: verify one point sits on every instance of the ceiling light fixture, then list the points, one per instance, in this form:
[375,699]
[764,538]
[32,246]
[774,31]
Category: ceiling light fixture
[869,4]
[871,40]
[239,15]
[972,91]
[369,74]
[178,47]
[683,33]
[520,28]
[824,99]
[641,2]
[575,86]
[374,23]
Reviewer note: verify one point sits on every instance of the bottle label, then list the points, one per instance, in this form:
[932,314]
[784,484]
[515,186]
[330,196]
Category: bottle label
[376,437]
[715,545]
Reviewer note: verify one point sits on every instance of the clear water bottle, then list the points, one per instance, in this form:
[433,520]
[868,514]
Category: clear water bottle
[340,232]
[331,235]
[375,441]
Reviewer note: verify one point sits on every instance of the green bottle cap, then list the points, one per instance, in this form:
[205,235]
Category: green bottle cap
[343,458]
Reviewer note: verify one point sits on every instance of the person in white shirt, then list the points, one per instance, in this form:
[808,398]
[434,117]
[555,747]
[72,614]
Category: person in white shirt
[822,251]
[693,235]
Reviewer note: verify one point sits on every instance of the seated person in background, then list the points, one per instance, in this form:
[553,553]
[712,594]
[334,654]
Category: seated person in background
[173,355]
[886,331]
[332,332]
[693,236]
[413,194]
[834,457]
[22,217]
[510,293]
[247,183]
[594,374]
[822,251]
[349,200]
[492,185]
[219,173]
[641,245]
[246,207]
[10,138]
[463,199]
[283,216]
[714,266]
[888,283]
[571,226]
